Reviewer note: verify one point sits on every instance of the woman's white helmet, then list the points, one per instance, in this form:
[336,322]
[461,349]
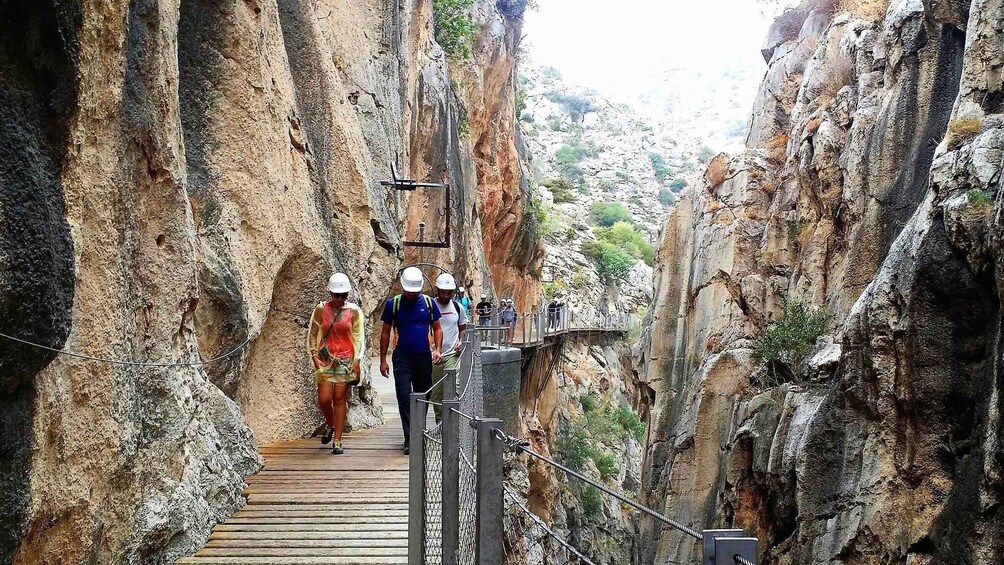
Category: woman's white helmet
[339,283]
[445,281]
[412,280]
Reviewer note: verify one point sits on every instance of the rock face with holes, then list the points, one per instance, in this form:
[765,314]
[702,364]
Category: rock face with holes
[177,181]
[869,189]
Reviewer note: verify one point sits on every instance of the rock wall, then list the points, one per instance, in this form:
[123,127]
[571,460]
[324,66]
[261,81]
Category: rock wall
[179,178]
[870,188]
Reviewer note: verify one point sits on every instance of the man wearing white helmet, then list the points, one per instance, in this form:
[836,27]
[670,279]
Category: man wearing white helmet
[412,315]
[453,322]
[485,308]
[335,344]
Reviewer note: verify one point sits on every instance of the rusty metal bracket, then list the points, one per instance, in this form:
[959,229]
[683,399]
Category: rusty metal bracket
[409,185]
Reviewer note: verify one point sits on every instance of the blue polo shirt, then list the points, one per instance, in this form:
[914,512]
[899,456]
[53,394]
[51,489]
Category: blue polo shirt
[412,323]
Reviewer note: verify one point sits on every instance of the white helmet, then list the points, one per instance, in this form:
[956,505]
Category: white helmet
[445,282]
[461,290]
[484,297]
[412,280]
[339,283]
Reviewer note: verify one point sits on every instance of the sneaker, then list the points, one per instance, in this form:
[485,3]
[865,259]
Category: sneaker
[326,438]
[406,450]
[336,449]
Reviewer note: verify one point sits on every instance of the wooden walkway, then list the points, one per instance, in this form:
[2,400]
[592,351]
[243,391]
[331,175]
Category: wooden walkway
[307,506]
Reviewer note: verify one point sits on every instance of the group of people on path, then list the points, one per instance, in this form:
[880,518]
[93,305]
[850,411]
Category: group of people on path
[428,335]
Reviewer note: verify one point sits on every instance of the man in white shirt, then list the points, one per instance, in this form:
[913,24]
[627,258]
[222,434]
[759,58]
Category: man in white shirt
[453,323]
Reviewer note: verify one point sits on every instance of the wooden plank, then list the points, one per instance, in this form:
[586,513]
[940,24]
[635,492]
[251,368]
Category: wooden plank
[296,543]
[342,535]
[331,507]
[342,560]
[240,520]
[297,525]
[302,551]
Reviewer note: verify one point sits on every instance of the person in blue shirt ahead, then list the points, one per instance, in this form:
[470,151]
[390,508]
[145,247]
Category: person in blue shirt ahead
[412,315]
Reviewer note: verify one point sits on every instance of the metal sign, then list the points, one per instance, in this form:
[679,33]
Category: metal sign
[409,185]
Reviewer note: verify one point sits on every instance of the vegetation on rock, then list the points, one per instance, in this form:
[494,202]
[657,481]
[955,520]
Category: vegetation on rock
[455,30]
[607,214]
[783,344]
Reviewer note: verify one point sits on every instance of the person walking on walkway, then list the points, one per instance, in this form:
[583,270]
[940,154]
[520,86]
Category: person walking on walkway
[484,309]
[509,318]
[412,315]
[552,315]
[464,301]
[335,344]
[454,323]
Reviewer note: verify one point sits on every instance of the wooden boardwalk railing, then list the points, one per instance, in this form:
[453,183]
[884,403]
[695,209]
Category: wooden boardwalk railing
[310,507]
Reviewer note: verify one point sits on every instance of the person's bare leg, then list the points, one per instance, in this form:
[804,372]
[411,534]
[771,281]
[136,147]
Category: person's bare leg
[340,398]
[325,395]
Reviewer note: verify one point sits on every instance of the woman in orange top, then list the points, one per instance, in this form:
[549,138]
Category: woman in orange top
[335,342]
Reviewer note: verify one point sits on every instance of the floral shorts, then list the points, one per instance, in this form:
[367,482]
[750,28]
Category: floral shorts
[339,372]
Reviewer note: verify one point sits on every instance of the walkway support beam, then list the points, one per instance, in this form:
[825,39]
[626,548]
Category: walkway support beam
[490,497]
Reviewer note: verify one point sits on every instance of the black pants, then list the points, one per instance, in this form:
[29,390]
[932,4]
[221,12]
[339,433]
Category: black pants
[412,373]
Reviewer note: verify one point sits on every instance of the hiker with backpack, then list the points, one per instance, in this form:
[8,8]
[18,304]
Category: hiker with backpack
[454,323]
[412,315]
[335,344]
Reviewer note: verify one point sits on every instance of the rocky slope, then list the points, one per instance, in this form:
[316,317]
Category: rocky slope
[180,178]
[869,189]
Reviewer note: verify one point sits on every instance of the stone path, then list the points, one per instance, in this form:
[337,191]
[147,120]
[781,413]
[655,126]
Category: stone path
[307,506]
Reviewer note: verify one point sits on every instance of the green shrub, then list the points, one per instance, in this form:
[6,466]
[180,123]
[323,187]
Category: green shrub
[554,124]
[588,402]
[455,30]
[561,188]
[607,466]
[573,446]
[576,105]
[607,214]
[783,344]
[636,200]
[659,166]
[464,127]
[592,502]
[612,263]
[678,184]
[979,199]
[666,197]
[624,176]
[605,185]
[553,288]
[551,73]
[628,239]
[579,279]
[630,422]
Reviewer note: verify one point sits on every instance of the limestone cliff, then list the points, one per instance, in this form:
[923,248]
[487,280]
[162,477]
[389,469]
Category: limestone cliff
[870,189]
[178,178]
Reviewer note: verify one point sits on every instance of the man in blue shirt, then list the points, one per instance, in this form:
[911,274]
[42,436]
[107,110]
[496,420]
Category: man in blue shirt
[412,315]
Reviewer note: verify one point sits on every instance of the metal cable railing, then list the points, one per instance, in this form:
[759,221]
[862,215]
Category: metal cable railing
[463,512]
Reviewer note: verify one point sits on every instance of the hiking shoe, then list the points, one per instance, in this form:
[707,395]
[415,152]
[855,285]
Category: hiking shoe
[406,449]
[326,438]
[336,449]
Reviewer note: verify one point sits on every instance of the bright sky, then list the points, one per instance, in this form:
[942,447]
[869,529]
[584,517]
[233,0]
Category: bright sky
[619,48]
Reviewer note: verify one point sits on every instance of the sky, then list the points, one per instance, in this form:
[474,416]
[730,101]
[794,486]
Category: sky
[625,46]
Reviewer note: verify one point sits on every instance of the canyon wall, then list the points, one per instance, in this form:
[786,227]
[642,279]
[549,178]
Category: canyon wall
[869,190]
[178,178]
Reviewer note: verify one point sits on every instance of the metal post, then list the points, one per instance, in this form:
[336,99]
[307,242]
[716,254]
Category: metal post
[489,506]
[451,481]
[710,536]
[416,481]
[449,384]
[467,358]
